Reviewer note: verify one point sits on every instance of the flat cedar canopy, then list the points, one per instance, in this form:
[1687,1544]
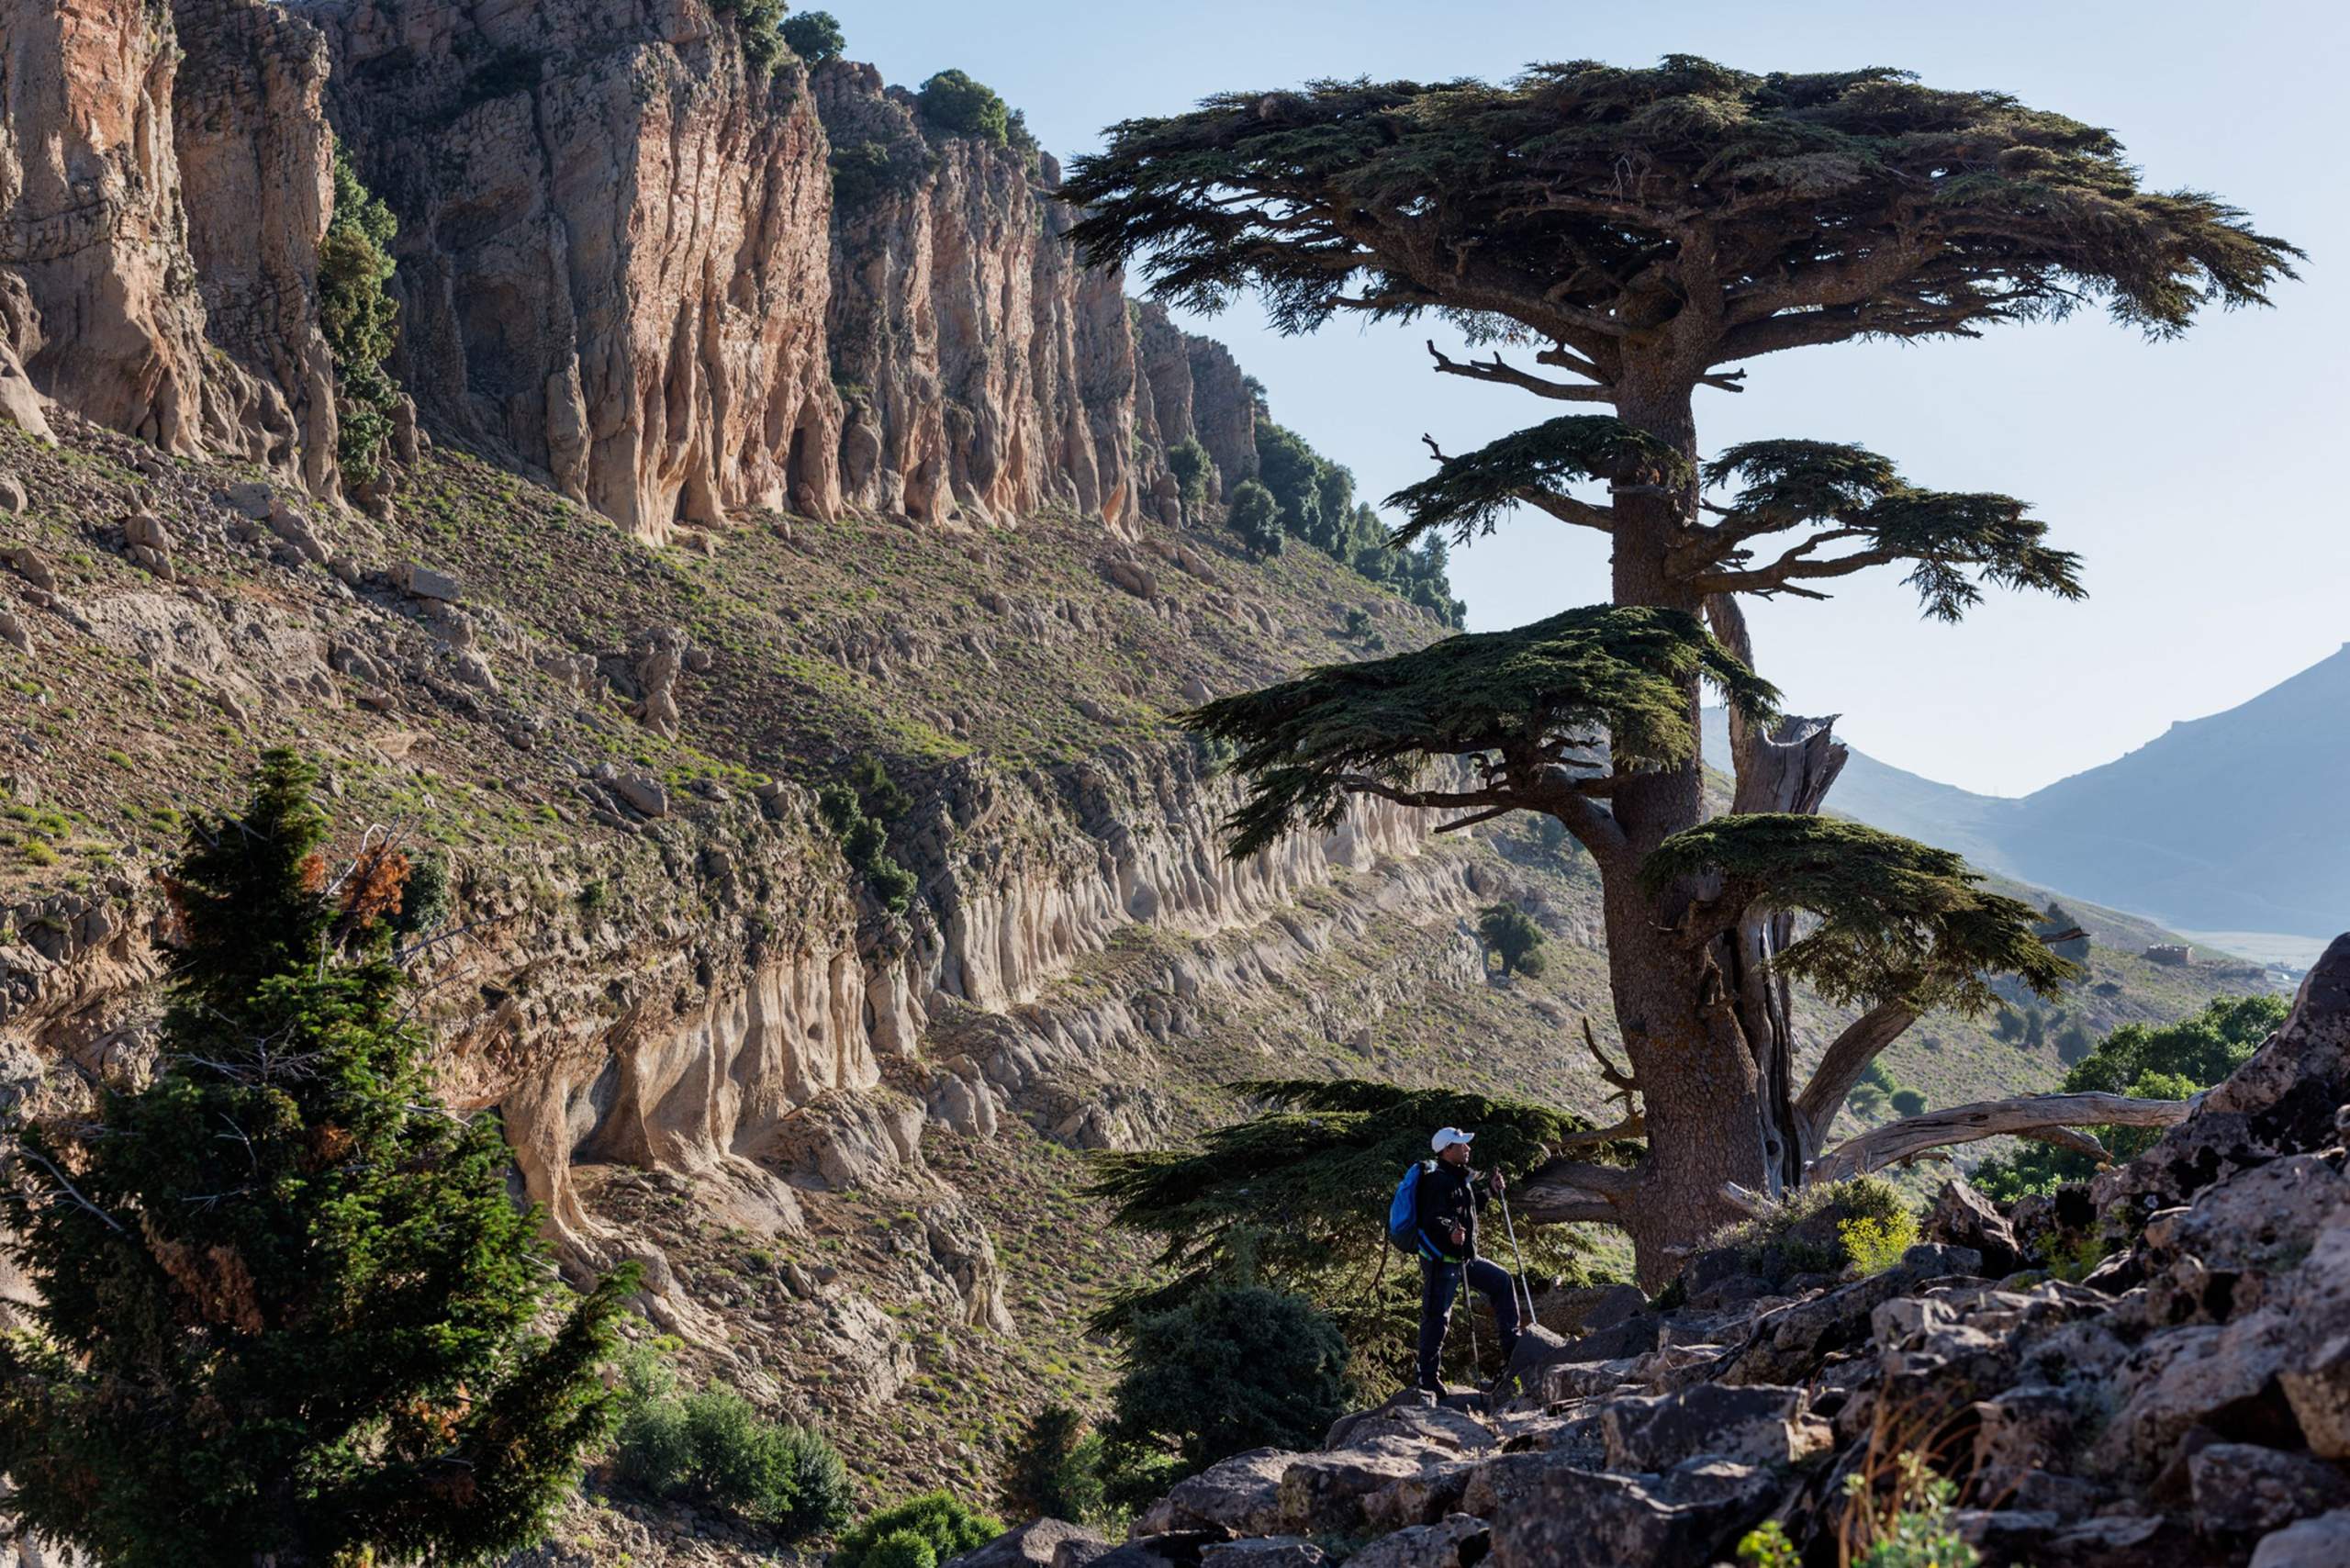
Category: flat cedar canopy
[1590,204]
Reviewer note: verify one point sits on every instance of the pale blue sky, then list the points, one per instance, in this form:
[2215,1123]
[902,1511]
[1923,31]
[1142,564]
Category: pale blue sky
[2187,473]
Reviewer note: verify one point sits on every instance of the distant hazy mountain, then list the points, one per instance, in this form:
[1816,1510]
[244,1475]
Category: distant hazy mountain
[2239,822]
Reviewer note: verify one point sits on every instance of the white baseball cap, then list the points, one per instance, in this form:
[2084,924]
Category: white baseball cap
[1447,1136]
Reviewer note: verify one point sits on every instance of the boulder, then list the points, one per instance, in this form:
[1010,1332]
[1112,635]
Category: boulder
[1128,577]
[2316,1370]
[2320,1542]
[2226,1253]
[1388,1483]
[1266,1551]
[1038,1543]
[32,566]
[1572,1517]
[1444,1544]
[1572,1311]
[2243,1491]
[420,581]
[1177,1549]
[1241,1494]
[1961,1216]
[2282,1102]
[2217,1377]
[1758,1424]
[643,795]
[12,493]
[252,498]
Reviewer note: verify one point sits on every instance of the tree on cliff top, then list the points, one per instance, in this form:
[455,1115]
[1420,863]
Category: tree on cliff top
[286,1308]
[955,103]
[1641,231]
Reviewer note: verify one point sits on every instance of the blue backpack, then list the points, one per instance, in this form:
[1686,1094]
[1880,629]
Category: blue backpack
[1402,1210]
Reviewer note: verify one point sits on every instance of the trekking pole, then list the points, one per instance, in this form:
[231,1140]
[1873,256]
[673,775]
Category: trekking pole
[1469,1312]
[1523,1282]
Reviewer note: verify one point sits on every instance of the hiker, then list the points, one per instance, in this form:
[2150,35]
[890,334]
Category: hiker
[1445,1215]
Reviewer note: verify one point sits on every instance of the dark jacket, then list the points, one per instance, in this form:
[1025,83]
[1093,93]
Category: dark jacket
[1449,1195]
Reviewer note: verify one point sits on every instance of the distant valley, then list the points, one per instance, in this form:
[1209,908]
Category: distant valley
[2226,827]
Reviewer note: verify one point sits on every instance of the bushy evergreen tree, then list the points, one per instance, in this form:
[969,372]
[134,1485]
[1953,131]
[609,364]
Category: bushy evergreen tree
[1256,517]
[1514,938]
[815,36]
[287,1312]
[1191,466]
[360,320]
[1057,1468]
[1229,1369]
[1645,234]
[955,103]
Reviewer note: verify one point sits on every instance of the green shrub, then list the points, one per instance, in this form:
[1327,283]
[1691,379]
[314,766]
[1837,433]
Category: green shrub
[934,1522]
[864,172]
[955,103]
[902,1548]
[1767,1546]
[865,844]
[759,24]
[424,897]
[1810,1232]
[1231,1368]
[1513,937]
[714,1447]
[1908,1103]
[1057,1468]
[1191,465]
[1909,1526]
[1256,517]
[815,36]
[360,321]
[1872,1245]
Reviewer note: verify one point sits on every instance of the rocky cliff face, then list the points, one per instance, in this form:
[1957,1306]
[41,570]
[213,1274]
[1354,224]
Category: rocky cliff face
[110,298]
[988,374]
[99,298]
[680,286]
[612,246]
[256,165]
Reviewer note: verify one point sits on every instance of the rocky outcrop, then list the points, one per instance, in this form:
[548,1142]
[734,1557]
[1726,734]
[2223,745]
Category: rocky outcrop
[2186,1405]
[989,374]
[256,166]
[621,263]
[164,177]
[98,295]
[613,249]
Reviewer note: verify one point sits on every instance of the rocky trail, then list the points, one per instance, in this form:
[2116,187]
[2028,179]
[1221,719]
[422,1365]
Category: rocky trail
[2185,1401]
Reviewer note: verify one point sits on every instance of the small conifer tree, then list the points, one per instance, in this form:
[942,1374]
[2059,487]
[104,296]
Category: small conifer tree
[288,1313]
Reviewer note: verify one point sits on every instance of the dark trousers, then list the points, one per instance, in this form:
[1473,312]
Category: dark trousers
[1440,1284]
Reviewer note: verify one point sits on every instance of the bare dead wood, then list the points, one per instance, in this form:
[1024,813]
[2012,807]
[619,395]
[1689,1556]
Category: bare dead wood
[2025,1115]
[1840,1070]
[1497,369]
[1566,1192]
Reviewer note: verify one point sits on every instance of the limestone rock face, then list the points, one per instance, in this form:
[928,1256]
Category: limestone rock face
[989,373]
[257,177]
[613,245]
[97,295]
